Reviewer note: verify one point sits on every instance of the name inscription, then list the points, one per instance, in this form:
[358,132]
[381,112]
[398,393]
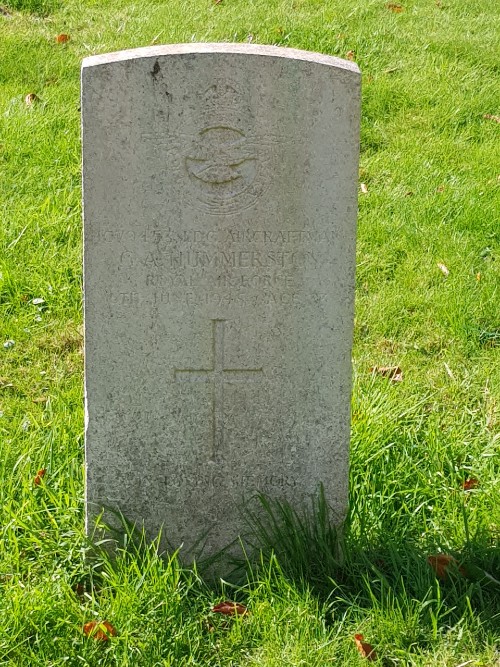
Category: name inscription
[241,259]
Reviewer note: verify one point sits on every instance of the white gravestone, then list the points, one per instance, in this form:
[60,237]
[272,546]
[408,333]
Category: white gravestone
[219,224]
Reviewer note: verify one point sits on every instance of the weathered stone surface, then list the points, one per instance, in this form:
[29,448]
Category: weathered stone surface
[219,213]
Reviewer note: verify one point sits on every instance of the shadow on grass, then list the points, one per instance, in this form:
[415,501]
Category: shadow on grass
[39,7]
[344,569]
[341,568]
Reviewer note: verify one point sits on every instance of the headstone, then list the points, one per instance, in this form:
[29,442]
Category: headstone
[219,216]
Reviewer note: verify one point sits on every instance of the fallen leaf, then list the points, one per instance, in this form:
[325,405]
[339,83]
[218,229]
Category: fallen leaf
[470,483]
[39,476]
[62,38]
[440,188]
[478,276]
[365,649]
[442,564]
[229,608]
[217,2]
[444,269]
[79,589]
[350,55]
[490,116]
[394,373]
[30,99]
[363,188]
[101,630]
[394,7]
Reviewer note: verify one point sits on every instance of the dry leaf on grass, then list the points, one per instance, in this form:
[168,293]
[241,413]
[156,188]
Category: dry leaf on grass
[470,483]
[366,650]
[229,608]
[30,99]
[62,38]
[394,373]
[101,630]
[444,269]
[394,7]
[350,55]
[79,589]
[442,564]
[39,476]
[490,116]
[363,188]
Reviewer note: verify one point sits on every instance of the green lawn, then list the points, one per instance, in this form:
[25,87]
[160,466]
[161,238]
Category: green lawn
[427,301]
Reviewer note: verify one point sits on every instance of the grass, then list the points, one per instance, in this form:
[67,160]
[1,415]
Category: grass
[429,162]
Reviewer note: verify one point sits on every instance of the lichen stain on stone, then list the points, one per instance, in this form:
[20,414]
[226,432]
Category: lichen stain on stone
[156,70]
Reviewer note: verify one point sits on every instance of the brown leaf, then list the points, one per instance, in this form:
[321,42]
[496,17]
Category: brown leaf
[101,630]
[490,116]
[394,373]
[470,483]
[366,650]
[442,564]
[39,476]
[394,7]
[444,269]
[350,55]
[229,608]
[30,99]
[363,188]
[79,589]
[62,38]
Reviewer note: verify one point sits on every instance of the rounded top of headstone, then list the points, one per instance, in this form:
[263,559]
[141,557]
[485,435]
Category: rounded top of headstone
[220,48]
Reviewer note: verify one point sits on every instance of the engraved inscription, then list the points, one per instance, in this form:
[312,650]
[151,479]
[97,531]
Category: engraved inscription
[166,235]
[241,259]
[217,375]
[178,478]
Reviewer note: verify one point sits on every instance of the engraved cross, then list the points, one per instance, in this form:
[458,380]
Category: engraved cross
[218,374]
